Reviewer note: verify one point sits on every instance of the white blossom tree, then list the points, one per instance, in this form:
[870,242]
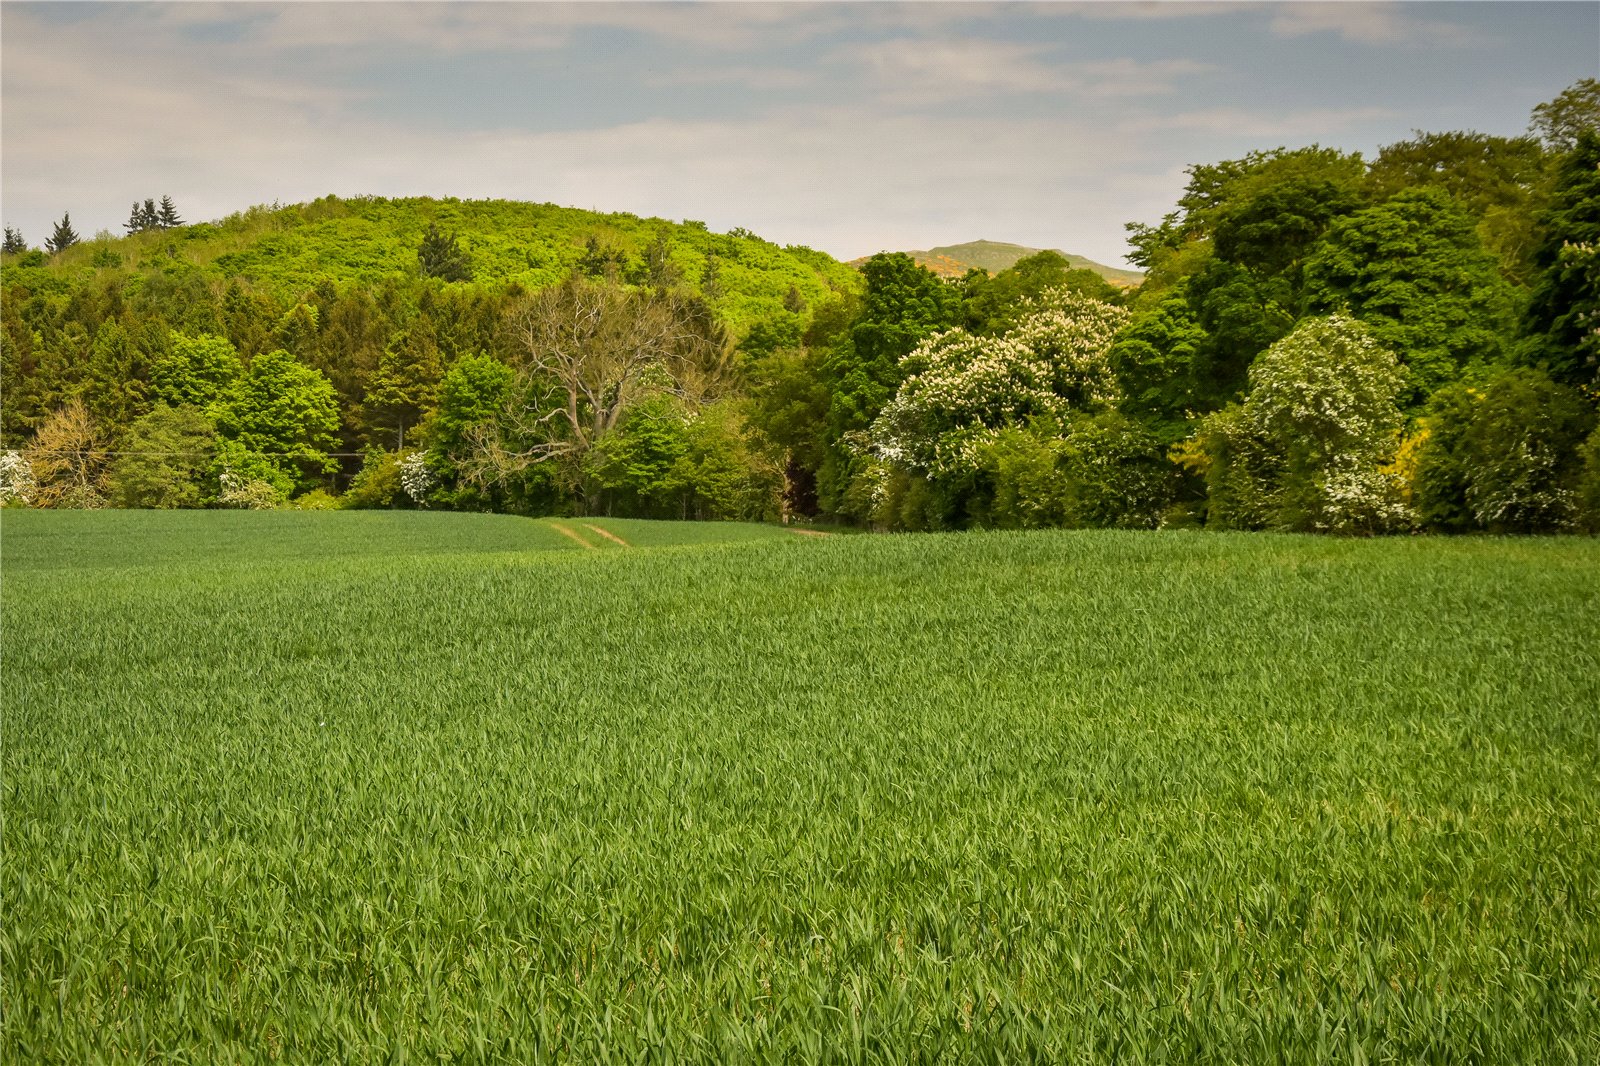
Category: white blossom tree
[1322,420]
[962,390]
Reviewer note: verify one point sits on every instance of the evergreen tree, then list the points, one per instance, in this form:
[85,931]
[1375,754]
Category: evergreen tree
[14,244]
[167,218]
[149,217]
[64,236]
[441,256]
[135,223]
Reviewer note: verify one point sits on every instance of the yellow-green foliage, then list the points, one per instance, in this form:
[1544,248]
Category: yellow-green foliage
[285,250]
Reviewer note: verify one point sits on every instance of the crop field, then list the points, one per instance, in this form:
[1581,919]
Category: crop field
[353,787]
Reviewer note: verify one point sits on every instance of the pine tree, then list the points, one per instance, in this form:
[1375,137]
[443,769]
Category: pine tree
[441,257]
[135,221]
[14,244]
[148,218]
[65,236]
[168,217]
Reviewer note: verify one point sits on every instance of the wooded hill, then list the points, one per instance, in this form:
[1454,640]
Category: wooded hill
[1321,342]
[954,260]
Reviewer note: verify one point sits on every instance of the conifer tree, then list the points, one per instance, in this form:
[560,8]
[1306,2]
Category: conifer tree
[135,223]
[64,236]
[14,243]
[168,216]
[148,219]
[440,256]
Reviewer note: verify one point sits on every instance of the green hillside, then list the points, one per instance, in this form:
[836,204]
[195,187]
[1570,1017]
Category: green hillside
[286,251]
[953,260]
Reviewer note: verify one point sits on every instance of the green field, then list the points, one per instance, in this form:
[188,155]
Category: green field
[423,787]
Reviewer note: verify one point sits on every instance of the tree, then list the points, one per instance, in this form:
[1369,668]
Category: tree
[167,216]
[1560,122]
[440,256]
[586,353]
[64,236]
[68,460]
[1500,180]
[164,459]
[14,244]
[962,389]
[1415,271]
[402,388]
[1504,457]
[285,412]
[1156,358]
[1562,323]
[197,371]
[142,217]
[992,305]
[1307,450]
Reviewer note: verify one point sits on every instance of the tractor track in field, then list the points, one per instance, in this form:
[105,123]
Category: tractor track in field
[612,537]
[572,534]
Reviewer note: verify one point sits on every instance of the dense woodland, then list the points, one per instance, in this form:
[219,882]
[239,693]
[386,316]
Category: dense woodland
[1322,342]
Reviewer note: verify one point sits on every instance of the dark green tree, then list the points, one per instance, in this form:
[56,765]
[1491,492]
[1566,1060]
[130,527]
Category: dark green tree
[1156,358]
[1561,329]
[64,236]
[167,216]
[14,244]
[1415,271]
[403,387]
[440,256]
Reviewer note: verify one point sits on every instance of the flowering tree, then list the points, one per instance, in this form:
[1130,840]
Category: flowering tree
[1317,431]
[962,390]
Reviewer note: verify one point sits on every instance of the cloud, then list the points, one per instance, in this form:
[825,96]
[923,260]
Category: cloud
[932,70]
[1369,23]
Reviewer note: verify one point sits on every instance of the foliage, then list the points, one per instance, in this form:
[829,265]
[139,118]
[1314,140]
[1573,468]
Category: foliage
[1414,270]
[962,388]
[17,484]
[67,458]
[1116,474]
[164,459]
[284,411]
[14,242]
[195,371]
[1562,122]
[64,236]
[441,256]
[1308,449]
[1505,457]
[1158,358]
[1563,317]
[377,483]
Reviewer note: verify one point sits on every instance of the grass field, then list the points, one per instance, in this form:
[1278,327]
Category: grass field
[419,788]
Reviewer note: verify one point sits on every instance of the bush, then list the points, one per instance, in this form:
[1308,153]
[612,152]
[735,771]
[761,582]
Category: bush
[1116,474]
[377,484]
[1311,448]
[166,458]
[1506,457]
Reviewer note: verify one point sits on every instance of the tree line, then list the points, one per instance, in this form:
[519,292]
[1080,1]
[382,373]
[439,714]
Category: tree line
[1322,342]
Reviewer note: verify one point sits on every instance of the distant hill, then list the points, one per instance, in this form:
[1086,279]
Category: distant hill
[953,260]
[287,250]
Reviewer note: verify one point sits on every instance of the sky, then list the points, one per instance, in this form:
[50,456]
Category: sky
[851,128]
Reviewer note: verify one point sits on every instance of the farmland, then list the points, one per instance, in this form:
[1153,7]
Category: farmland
[413,787]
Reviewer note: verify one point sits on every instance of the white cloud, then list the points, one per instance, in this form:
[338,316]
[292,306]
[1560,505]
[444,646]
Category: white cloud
[1369,23]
